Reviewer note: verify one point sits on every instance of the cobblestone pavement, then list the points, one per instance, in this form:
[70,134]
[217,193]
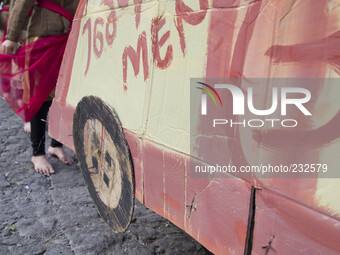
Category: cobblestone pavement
[55,215]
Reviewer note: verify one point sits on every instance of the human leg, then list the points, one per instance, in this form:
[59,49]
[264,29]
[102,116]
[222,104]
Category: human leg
[56,149]
[38,130]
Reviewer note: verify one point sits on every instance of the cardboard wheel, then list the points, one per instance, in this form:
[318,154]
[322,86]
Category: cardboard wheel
[105,161]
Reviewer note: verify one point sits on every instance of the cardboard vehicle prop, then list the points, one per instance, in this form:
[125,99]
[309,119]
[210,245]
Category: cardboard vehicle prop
[123,104]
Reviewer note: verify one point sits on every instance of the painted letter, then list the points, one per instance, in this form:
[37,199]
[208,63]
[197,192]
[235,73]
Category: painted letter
[134,56]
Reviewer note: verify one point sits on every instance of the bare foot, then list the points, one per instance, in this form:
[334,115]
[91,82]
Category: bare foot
[41,165]
[6,95]
[60,154]
[27,128]
[20,103]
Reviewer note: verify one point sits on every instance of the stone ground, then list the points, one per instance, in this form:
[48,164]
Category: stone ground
[55,215]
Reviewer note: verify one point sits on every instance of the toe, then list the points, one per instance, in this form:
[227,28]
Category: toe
[63,159]
[51,170]
[68,160]
[45,172]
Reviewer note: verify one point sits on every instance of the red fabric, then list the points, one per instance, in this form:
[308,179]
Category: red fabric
[28,77]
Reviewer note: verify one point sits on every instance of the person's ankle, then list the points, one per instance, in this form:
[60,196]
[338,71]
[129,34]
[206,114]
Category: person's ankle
[41,165]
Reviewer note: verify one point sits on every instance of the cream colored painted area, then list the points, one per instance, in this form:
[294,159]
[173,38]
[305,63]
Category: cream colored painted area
[326,196]
[95,6]
[105,74]
[169,114]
